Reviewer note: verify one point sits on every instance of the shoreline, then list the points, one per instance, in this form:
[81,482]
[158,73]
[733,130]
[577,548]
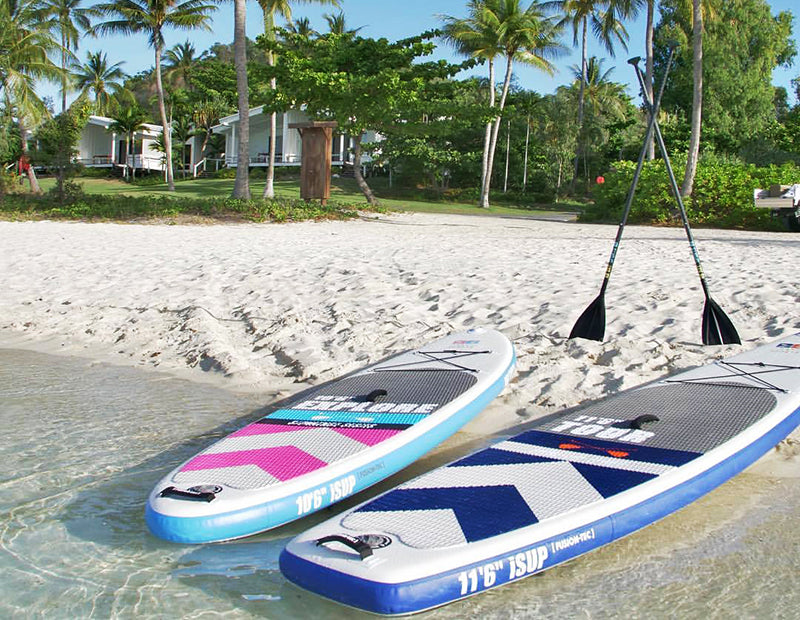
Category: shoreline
[276,308]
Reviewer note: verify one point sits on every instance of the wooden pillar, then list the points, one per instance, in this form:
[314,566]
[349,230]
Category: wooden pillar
[315,161]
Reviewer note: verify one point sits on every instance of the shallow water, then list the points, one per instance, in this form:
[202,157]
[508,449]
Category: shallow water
[84,443]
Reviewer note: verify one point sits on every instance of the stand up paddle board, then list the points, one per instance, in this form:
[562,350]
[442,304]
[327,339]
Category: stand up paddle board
[565,486]
[331,443]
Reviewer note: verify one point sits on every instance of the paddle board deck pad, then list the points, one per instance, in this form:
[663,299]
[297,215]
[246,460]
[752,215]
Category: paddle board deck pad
[566,485]
[332,442]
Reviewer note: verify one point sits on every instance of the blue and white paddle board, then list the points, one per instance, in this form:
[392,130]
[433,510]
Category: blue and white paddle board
[333,442]
[566,485]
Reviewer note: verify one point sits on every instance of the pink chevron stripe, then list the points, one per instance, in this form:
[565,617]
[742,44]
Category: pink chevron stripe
[265,428]
[284,463]
[368,436]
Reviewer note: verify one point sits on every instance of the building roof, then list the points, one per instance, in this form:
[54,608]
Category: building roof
[226,121]
[106,122]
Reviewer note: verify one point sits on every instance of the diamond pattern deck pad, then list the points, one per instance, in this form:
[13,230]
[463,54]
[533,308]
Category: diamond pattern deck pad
[563,464]
[328,425]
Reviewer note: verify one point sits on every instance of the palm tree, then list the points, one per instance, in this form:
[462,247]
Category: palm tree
[26,40]
[69,20]
[302,27]
[603,17]
[151,17]
[603,98]
[100,78]
[270,9]
[338,25]
[241,186]
[529,37]
[205,116]
[602,93]
[128,121]
[648,65]
[182,129]
[477,36]
[180,58]
[697,98]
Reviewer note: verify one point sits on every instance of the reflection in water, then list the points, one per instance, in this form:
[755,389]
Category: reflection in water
[84,444]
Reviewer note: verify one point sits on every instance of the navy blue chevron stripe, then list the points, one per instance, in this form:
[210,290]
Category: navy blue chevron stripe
[609,481]
[600,447]
[482,512]
[491,456]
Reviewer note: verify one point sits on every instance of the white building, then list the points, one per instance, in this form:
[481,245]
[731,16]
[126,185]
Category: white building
[288,144]
[99,147]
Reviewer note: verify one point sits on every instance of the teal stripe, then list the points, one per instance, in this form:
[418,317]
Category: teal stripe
[347,416]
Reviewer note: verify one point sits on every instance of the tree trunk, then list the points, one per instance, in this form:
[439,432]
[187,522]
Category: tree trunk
[488,138]
[508,152]
[241,188]
[166,127]
[64,71]
[697,99]
[560,167]
[31,173]
[269,186]
[495,131]
[648,70]
[525,162]
[362,184]
[580,109]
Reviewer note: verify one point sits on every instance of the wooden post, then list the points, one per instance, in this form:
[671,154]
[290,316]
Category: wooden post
[315,161]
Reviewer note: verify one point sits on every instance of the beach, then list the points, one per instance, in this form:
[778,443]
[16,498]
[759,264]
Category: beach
[271,309]
[127,348]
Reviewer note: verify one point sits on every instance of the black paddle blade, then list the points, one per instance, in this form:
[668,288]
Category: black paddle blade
[717,327]
[592,323]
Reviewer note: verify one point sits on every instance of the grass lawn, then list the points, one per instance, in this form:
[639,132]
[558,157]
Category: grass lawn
[342,190]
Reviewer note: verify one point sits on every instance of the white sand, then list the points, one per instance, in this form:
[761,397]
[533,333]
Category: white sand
[274,308]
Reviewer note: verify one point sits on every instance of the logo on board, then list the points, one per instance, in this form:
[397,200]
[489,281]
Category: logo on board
[601,428]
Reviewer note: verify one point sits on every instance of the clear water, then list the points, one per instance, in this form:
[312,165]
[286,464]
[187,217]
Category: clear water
[83,444]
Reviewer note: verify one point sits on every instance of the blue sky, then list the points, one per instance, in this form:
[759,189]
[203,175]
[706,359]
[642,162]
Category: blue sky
[395,20]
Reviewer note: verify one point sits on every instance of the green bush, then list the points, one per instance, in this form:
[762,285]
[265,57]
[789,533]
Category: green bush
[97,173]
[722,195]
[108,207]
[149,179]
[225,173]
[9,182]
[260,173]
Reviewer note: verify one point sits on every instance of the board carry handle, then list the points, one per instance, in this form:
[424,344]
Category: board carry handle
[356,544]
[639,422]
[194,496]
[376,396]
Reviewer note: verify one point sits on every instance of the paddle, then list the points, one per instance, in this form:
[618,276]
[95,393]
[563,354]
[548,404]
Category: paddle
[592,323]
[717,327]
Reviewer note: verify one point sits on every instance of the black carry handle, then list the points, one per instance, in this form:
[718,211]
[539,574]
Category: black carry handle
[639,422]
[174,493]
[376,396]
[356,544]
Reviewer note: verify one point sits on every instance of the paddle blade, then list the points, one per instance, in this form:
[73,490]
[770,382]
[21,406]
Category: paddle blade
[592,323]
[717,327]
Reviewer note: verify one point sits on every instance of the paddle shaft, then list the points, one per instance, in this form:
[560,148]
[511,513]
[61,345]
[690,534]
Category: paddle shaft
[651,126]
[673,183]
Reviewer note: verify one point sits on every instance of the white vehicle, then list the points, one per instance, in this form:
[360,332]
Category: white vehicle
[783,201]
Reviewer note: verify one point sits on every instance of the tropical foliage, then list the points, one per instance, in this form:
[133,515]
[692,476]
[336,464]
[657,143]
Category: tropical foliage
[442,131]
[153,17]
[100,79]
